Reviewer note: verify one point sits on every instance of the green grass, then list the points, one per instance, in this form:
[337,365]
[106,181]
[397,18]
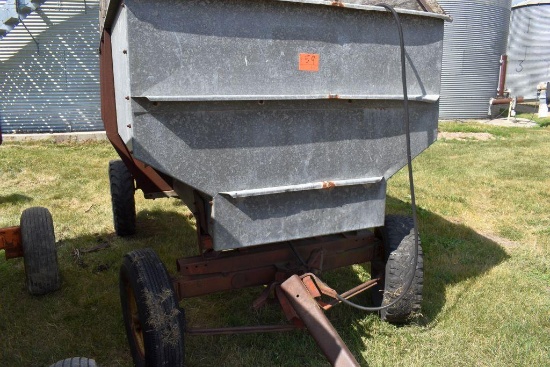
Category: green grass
[533,116]
[542,121]
[483,211]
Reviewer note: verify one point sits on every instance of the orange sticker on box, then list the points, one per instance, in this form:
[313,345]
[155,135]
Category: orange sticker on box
[309,62]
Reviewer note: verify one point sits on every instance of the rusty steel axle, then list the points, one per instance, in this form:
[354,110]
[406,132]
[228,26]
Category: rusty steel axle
[300,299]
[208,273]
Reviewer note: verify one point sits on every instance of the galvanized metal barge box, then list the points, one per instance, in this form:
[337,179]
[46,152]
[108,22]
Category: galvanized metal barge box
[287,115]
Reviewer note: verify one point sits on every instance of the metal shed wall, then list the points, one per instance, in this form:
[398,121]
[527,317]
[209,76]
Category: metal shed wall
[52,87]
[472,46]
[528,49]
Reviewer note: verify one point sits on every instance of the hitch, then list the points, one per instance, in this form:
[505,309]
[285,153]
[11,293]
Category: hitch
[304,296]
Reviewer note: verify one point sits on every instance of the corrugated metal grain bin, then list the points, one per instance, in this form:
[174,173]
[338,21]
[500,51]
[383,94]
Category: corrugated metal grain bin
[256,103]
[51,85]
[528,48]
[474,42]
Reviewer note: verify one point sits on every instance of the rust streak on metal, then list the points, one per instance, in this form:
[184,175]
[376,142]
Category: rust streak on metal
[328,184]
[333,96]
[10,242]
[338,3]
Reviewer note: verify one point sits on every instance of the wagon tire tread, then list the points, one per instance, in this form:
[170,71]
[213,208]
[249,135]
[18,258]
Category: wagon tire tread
[39,251]
[160,317]
[399,242]
[122,198]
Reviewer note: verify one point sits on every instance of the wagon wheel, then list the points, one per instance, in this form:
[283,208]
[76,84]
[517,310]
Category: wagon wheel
[154,322]
[39,251]
[398,237]
[122,198]
[75,362]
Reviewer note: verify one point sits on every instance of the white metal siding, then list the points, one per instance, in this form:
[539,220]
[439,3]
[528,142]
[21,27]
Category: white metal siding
[528,50]
[52,87]
[472,46]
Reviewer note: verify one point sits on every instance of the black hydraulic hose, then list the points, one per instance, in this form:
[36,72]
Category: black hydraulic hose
[409,166]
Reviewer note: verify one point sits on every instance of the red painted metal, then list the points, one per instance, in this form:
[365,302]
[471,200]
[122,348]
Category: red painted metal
[502,75]
[318,325]
[235,269]
[505,100]
[10,242]
[150,181]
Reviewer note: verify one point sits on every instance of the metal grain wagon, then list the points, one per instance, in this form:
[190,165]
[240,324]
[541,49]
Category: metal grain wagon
[278,123]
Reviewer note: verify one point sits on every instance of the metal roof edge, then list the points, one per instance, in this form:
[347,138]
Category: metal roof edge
[530,3]
[342,4]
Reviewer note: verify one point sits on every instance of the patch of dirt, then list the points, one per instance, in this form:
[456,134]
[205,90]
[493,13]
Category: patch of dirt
[465,136]
[504,242]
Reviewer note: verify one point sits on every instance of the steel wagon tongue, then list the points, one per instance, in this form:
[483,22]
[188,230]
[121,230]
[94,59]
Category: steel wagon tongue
[275,121]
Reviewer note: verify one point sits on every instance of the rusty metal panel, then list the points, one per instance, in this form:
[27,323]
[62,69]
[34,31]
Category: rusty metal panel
[10,242]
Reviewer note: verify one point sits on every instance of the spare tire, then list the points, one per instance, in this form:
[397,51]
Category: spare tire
[39,251]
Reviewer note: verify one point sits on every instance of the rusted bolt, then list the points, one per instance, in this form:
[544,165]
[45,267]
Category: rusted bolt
[129,126]
[127,98]
[125,51]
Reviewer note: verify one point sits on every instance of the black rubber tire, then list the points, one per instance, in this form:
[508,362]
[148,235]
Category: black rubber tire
[75,362]
[154,323]
[39,251]
[122,198]
[398,237]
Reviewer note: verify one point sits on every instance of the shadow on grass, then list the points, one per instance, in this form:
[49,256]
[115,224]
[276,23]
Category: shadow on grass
[15,199]
[452,253]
